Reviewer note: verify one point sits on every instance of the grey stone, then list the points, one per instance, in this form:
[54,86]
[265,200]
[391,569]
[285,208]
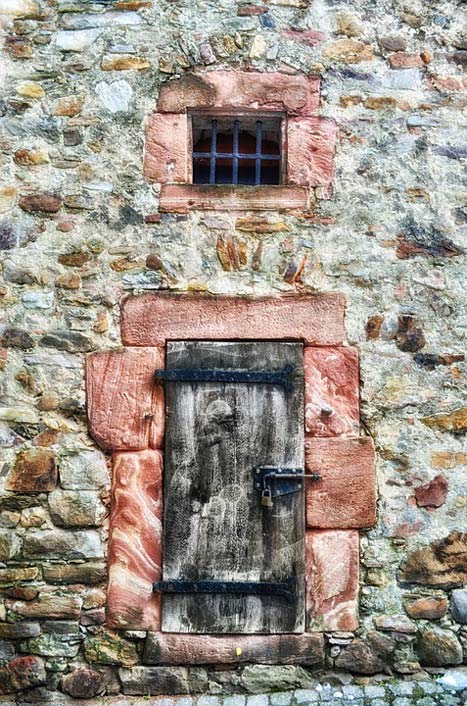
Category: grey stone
[86,20]
[459,605]
[84,470]
[114,96]
[374,692]
[76,508]
[261,678]
[142,280]
[71,341]
[8,235]
[51,645]
[10,544]
[306,696]
[58,543]
[76,40]
[16,631]
[403,80]
[261,700]
[154,680]
[61,627]
[37,299]
[7,651]
[280,698]
[236,700]
[455,679]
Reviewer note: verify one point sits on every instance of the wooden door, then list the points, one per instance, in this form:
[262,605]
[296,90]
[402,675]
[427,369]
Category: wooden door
[215,527]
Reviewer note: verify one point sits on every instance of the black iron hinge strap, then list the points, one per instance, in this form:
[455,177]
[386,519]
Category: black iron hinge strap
[284,589]
[282,378]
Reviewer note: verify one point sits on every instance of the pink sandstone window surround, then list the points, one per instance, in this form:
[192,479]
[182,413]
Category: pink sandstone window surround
[126,417]
[308,145]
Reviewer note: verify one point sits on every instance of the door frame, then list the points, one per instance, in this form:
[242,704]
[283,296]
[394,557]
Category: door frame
[126,413]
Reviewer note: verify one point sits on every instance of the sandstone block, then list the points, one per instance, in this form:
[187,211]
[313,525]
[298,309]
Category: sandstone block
[349,51]
[16,631]
[76,508]
[60,544]
[119,62]
[439,648]
[241,89]
[332,586]
[84,470]
[135,552]
[427,608]
[331,391]
[106,647]
[125,407]
[83,683]
[151,319]
[395,623]
[40,203]
[166,154]
[91,572]
[345,495]
[310,151]
[51,603]
[155,680]
[35,471]
[22,673]
[224,197]
[182,649]
[366,656]
[442,564]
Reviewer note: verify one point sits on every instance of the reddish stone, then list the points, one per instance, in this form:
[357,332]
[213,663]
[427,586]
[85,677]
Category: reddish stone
[34,471]
[18,47]
[188,197]
[311,145]
[83,683]
[166,154]
[331,391]
[432,494]
[251,10]
[295,94]
[429,608]
[166,648]
[332,584]
[40,203]
[22,673]
[402,60]
[125,408]
[373,327]
[152,319]
[345,496]
[409,337]
[310,37]
[135,552]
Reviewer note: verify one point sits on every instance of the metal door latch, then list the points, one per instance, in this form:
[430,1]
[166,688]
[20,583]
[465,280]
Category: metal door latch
[274,482]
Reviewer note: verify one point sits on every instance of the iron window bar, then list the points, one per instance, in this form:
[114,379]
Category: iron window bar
[235,155]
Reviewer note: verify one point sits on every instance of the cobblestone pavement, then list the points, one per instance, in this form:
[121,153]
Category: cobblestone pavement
[448,690]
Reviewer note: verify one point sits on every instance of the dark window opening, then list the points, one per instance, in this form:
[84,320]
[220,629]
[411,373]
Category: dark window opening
[244,150]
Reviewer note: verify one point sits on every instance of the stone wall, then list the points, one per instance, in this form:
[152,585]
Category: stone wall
[80,228]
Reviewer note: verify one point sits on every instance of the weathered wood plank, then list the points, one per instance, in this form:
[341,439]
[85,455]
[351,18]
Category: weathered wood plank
[215,527]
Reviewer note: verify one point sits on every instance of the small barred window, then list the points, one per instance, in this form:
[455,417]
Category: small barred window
[244,150]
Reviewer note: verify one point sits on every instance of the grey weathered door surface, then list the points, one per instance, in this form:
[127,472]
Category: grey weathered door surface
[215,527]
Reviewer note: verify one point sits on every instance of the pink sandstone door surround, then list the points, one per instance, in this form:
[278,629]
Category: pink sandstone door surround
[126,417]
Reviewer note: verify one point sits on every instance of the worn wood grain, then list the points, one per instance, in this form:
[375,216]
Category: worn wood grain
[215,527]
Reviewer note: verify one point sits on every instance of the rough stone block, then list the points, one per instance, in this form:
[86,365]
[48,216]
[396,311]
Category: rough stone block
[296,94]
[135,554]
[125,408]
[345,495]
[187,197]
[311,143]
[167,648]
[84,470]
[106,647]
[151,319]
[76,508]
[35,471]
[332,584]
[90,572]
[22,673]
[154,680]
[61,544]
[166,151]
[331,391]
[51,603]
